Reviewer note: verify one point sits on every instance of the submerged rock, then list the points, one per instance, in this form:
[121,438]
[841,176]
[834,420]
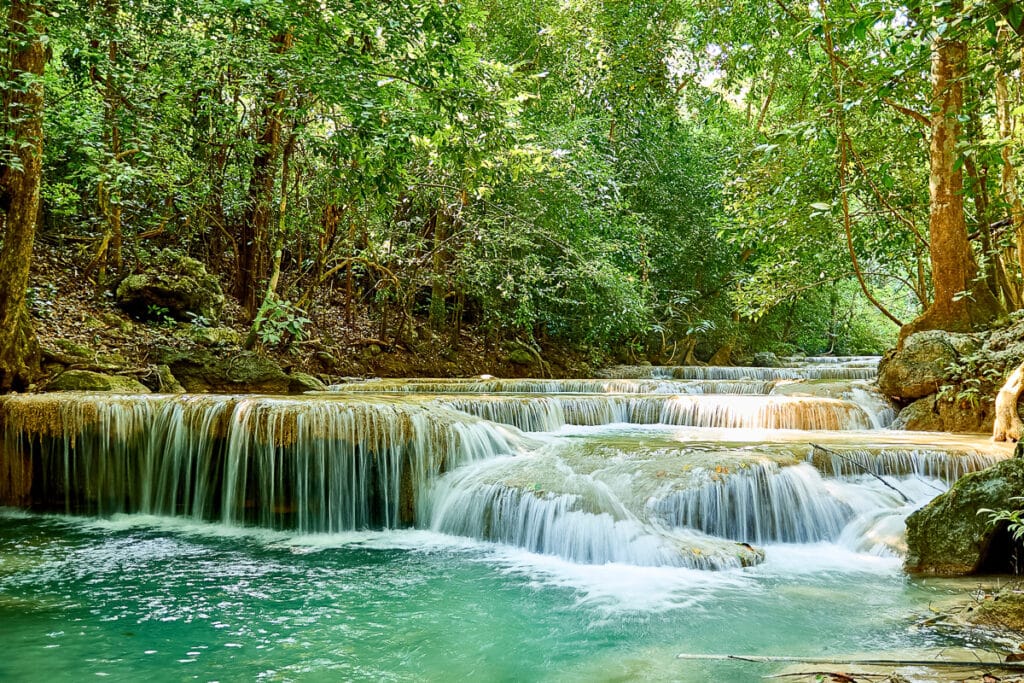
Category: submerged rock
[173,286]
[922,365]
[85,380]
[949,536]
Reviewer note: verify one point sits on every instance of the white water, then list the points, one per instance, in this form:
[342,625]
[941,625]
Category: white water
[617,471]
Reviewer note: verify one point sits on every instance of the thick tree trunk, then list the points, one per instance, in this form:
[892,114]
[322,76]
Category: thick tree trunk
[961,302]
[19,191]
[1008,425]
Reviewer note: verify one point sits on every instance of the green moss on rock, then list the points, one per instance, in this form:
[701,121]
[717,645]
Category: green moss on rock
[85,380]
[173,285]
[948,536]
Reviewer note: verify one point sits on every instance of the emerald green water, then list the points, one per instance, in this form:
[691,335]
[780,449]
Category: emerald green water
[137,598]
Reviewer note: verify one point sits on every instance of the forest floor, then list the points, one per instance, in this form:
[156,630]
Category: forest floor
[79,324]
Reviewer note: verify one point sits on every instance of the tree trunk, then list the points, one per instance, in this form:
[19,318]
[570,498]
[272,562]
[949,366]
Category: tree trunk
[253,244]
[1008,425]
[19,191]
[1008,175]
[961,301]
[439,272]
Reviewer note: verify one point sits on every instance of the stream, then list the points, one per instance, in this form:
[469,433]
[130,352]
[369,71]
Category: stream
[478,529]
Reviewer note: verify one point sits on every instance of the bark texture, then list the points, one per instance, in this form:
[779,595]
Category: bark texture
[962,301]
[19,191]
[1008,426]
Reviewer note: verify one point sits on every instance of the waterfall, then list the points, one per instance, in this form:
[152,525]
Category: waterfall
[555,386]
[679,472]
[311,465]
[761,504]
[549,413]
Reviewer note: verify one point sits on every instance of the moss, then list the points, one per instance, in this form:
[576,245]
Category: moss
[949,536]
[521,357]
[85,380]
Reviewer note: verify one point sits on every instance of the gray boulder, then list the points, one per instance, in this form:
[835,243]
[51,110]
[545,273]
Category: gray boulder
[920,368]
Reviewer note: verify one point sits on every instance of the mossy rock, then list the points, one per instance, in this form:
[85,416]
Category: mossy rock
[211,336]
[521,357]
[1002,611]
[765,359]
[920,368]
[243,372]
[85,380]
[168,383]
[172,285]
[949,536]
[302,382]
[73,349]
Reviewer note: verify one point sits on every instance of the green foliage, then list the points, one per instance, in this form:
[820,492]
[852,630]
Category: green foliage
[1013,518]
[279,321]
[972,380]
[633,174]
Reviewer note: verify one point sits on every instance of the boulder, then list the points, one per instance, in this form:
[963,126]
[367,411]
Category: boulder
[168,383]
[935,414]
[171,286]
[85,380]
[245,372]
[302,382]
[949,536]
[920,368]
[765,359]
[521,357]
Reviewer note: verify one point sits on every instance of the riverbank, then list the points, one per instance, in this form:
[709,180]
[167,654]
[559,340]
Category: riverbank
[84,327]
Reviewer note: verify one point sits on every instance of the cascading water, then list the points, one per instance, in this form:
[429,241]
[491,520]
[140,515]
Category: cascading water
[465,529]
[605,478]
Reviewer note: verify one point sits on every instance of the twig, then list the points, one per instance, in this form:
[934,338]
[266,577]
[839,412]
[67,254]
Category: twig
[864,661]
[864,469]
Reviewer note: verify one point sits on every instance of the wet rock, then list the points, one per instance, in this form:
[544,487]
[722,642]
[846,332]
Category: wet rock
[949,536]
[935,414]
[85,380]
[172,286]
[920,368]
[765,359]
[1001,611]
